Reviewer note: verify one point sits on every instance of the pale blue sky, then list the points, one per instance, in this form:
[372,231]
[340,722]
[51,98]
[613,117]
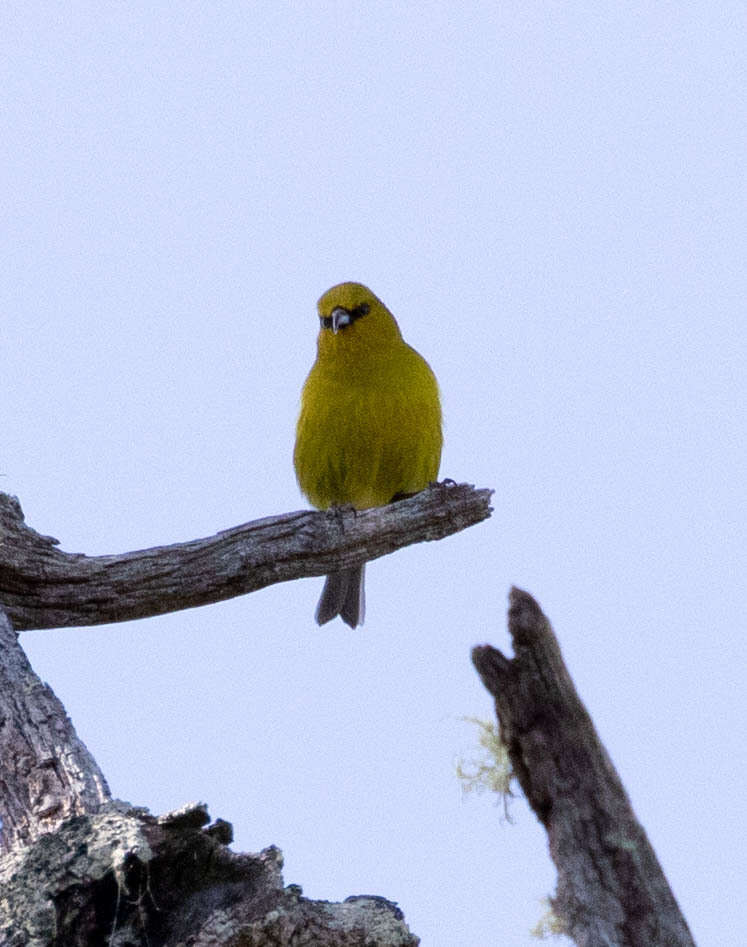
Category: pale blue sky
[550,198]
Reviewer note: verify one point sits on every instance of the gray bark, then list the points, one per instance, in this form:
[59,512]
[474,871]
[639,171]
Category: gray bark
[121,877]
[611,890]
[80,869]
[43,587]
[46,773]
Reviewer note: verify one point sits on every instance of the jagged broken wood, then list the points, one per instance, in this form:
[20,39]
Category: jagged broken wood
[122,876]
[43,587]
[611,890]
[78,868]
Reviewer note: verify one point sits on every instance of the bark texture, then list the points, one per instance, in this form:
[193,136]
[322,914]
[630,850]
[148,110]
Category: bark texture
[43,587]
[78,869]
[122,878]
[611,890]
[46,773]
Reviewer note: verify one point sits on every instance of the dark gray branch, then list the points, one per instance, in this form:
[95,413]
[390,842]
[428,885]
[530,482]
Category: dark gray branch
[46,773]
[611,889]
[43,587]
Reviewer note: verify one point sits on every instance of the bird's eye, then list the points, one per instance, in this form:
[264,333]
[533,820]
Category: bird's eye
[341,317]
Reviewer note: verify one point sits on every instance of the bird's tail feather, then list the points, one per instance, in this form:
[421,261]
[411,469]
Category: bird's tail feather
[344,595]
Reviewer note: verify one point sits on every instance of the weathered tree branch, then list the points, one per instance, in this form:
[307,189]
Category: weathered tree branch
[43,587]
[611,890]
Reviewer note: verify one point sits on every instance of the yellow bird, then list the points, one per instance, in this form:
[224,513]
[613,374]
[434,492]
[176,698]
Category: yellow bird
[369,430]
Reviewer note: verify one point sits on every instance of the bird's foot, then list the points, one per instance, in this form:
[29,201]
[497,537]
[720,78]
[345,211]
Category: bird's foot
[338,514]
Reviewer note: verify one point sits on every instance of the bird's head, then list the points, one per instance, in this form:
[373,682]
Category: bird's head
[350,315]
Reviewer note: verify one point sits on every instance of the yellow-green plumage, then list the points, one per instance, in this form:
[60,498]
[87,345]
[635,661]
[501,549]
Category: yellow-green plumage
[370,422]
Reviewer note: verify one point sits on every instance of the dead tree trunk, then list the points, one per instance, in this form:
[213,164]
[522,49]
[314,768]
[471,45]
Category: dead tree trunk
[79,869]
[611,890]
